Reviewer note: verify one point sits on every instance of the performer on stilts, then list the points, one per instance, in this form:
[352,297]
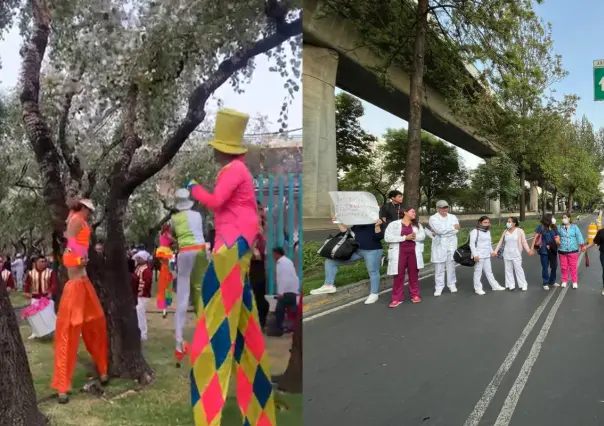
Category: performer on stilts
[228,333]
[164,253]
[80,312]
[187,227]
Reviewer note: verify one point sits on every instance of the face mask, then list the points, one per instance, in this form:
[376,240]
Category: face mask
[553,220]
[484,227]
[565,221]
[508,225]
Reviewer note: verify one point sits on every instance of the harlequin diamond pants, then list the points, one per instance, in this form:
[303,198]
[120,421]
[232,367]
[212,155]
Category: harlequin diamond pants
[228,335]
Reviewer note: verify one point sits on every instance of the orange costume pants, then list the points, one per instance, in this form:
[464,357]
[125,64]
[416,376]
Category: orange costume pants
[80,312]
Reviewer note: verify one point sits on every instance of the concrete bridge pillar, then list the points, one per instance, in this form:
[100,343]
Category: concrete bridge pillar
[495,208]
[319,154]
[534,197]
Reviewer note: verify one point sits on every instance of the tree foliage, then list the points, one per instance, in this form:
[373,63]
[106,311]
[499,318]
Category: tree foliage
[353,144]
[441,167]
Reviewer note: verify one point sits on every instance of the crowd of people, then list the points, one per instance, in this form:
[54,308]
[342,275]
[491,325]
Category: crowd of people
[404,235]
[209,270]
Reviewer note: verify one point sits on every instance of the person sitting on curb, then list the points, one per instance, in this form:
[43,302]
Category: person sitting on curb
[288,289]
[370,250]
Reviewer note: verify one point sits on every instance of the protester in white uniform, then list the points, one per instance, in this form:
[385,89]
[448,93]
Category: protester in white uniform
[445,227]
[481,246]
[513,241]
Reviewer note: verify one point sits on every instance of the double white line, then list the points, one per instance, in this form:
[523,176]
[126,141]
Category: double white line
[509,406]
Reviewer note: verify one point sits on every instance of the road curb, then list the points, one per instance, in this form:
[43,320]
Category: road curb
[315,304]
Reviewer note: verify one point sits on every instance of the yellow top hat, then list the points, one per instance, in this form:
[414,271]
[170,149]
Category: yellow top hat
[228,134]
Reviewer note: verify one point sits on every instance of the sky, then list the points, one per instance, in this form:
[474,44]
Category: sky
[577,36]
[263,95]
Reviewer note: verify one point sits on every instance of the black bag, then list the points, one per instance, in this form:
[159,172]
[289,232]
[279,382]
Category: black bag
[340,247]
[463,254]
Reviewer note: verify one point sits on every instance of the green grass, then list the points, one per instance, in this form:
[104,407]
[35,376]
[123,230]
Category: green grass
[313,263]
[165,402]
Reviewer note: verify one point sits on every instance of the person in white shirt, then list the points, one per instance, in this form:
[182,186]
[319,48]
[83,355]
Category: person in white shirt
[513,241]
[18,269]
[444,228]
[481,246]
[288,289]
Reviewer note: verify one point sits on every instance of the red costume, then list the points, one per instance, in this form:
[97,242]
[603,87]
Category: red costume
[40,283]
[142,279]
[8,278]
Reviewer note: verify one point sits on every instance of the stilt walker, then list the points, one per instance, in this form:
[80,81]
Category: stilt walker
[164,253]
[187,227]
[228,333]
[80,312]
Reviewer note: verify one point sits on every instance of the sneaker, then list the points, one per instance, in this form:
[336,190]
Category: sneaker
[524,288]
[415,299]
[394,304]
[546,287]
[324,289]
[575,285]
[180,354]
[563,285]
[602,292]
[480,292]
[511,288]
[556,285]
[437,293]
[63,398]
[32,337]
[498,288]
[371,299]
[453,288]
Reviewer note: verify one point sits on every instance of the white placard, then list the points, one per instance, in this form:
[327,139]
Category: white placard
[355,207]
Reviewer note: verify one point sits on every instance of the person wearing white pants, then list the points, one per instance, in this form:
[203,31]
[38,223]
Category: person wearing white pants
[513,241]
[142,279]
[443,230]
[481,247]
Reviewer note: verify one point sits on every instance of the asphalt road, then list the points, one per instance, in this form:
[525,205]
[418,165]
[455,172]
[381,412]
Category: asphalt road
[506,358]
[321,235]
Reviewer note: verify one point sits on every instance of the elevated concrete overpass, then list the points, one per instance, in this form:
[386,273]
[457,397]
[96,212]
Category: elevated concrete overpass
[333,58]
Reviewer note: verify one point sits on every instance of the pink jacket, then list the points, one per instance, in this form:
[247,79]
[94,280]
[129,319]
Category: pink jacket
[521,241]
[233,203]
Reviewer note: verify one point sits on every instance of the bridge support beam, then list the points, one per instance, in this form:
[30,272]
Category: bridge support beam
[320,67]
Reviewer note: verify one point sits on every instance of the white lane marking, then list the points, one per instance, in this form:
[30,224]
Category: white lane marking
[509,406]
[485,400]
[354,302]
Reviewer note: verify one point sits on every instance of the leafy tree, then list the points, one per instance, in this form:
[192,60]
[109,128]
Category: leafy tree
[353,144]
[371,178]
[524,115]
[496,180]
[441,168]
[124,88]
[431,39]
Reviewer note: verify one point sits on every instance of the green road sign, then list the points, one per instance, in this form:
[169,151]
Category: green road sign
[599,80]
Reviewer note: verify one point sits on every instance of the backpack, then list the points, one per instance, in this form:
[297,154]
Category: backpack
[463,254]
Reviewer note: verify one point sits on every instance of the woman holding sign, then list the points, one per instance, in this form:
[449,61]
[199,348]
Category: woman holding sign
[406,238]
[370,250]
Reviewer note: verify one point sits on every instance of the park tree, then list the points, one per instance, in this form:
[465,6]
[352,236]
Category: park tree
[372,178]
[432,40]
[496,180]
[129,85]
[353,144]
[441,167]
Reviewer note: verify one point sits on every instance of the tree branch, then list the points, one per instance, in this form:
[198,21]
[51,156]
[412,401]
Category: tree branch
[139,173]
[36,128]
[68,152]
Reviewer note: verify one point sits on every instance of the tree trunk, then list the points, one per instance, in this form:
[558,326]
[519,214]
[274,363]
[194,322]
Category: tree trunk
[19,406]
[554,201]
[291,380]
[522,195]
[571,200]
[416,95]
[112,283]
